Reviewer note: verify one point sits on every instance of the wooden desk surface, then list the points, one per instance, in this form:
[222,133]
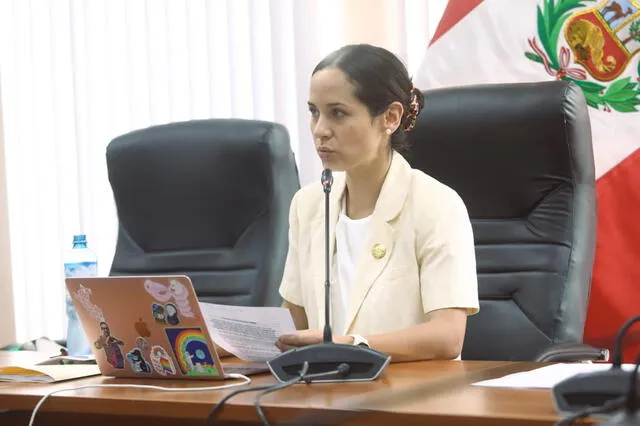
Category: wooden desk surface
[433,392]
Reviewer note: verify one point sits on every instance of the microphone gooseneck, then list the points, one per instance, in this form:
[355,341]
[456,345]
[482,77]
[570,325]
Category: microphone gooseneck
[327,180]
[617,346]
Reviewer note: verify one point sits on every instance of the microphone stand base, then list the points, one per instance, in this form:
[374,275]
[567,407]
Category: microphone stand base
[365,364]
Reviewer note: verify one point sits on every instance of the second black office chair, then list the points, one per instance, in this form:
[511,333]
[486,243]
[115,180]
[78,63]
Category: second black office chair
[208,199]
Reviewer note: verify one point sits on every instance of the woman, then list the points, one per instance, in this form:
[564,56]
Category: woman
[403,262]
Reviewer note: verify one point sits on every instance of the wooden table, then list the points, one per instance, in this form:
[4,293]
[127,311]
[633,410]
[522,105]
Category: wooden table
[433,392]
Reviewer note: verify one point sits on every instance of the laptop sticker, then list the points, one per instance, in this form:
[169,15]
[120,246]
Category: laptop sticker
[137,361]
[142,328]
[142,344]
[111,346]
[159,313]
[171,314]
[83,295]
[175,292]
[161,361]
[191,351]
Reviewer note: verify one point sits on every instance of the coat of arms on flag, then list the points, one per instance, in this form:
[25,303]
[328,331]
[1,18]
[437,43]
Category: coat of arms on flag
[600,40]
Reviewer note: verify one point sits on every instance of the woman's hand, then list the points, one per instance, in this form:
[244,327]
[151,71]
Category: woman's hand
[307,337]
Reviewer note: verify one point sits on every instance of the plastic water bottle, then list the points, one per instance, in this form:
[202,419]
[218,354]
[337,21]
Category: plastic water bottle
[80,261]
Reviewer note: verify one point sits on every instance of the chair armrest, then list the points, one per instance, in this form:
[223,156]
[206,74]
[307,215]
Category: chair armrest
[572,352]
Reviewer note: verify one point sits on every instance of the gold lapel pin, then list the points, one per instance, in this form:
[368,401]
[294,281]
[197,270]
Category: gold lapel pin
[378,251]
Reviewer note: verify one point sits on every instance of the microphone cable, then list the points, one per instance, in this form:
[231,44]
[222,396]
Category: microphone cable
[342,370]
[219,404]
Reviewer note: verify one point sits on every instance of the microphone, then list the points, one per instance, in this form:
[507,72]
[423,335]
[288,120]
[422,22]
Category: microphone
[338,362]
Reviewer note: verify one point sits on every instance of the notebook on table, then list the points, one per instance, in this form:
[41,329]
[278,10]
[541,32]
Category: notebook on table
[149,326]
[46,373]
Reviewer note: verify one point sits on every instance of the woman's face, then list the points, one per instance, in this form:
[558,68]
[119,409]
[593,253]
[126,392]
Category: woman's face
[344,133]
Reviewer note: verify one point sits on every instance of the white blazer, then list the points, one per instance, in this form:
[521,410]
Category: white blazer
[420,254]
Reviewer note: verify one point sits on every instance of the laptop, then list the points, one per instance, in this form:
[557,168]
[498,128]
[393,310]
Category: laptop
[149,326]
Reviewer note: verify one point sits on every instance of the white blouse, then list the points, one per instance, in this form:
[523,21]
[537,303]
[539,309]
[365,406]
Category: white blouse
[351,237]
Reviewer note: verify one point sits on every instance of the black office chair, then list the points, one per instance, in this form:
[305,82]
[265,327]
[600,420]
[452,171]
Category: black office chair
[208,199]
[520,156]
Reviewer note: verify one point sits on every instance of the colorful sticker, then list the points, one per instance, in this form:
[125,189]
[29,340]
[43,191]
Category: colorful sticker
[83,295]
[142,328]
[158,312]
[192,351]
[171,314]
[176,291]
[137,361]
[142,344]
[111,346]
[181,297]
[161,361]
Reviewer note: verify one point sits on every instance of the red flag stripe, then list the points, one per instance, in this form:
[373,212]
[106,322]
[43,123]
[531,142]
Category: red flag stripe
[453,13]
[615,288]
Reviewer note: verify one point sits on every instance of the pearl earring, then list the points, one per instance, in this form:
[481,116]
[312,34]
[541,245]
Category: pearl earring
[388,131]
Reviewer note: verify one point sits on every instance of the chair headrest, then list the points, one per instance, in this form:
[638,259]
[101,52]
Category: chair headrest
[222,166]
[503,147]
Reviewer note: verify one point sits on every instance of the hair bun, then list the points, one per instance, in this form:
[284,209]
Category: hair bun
[416,103]
[419,97]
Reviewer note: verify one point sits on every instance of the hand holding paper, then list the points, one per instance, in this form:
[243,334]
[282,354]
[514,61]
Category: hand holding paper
[250,333]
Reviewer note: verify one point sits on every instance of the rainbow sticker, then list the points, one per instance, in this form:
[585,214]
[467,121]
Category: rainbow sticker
[192,351]
[165,365]
[161,361]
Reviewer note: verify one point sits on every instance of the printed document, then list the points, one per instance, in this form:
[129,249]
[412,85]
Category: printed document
[250,333]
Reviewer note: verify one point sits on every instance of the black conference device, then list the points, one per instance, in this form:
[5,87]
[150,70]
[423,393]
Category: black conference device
[622,411]
[591,390]
[588,390]
[349,362]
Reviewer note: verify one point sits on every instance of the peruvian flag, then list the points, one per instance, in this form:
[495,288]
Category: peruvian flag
[596,44]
